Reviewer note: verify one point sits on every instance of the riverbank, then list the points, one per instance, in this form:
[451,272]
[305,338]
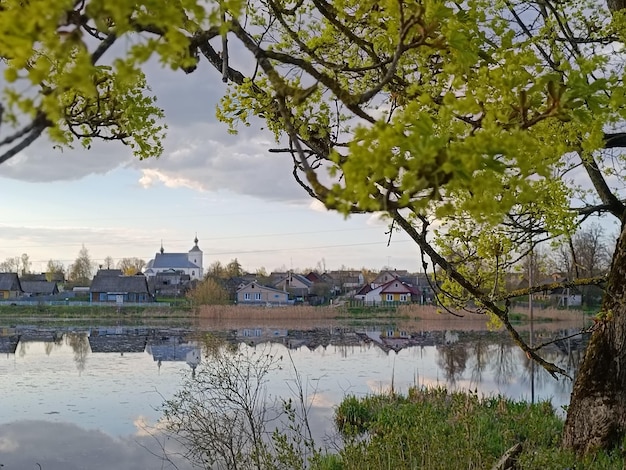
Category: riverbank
[207,317]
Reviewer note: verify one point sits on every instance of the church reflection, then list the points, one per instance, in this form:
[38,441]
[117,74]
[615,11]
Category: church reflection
[457,353]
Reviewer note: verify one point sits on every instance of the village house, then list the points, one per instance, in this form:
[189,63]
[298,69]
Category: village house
[254,293]
[170,283]
[10,286]
[39,288]
[347,281]
[110,287]
[393,291]
[296,285]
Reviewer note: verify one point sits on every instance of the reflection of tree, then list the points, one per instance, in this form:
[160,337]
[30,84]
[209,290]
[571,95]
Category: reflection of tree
[80,345]
[481,358]
[221,417]
[504,365]
[452,359]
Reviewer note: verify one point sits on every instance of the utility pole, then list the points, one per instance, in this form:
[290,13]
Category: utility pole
[531,281]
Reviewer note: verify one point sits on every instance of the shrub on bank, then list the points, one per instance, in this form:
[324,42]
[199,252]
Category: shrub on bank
[435,429]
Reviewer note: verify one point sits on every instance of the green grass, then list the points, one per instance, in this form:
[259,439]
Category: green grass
[438,430]
[92,311]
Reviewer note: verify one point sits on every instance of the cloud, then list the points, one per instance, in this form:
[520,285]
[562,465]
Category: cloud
[199,153]
[8,444]
[43,162]
[62,446]
[203,157]
[151,177]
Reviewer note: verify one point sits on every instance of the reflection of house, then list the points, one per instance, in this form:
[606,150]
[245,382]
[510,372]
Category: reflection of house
[110,287]
[117,343]
[172,348]
[390,339]
[8,340]
[39,288]
[10,286]
[254,293]
[260,335]
[189,263]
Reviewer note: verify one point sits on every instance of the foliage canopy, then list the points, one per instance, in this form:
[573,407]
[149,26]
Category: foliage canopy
[498,120]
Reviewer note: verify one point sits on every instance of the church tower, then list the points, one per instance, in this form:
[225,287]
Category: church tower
[195,257]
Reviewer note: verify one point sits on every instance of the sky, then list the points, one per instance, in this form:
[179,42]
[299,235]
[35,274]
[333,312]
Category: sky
[240,200]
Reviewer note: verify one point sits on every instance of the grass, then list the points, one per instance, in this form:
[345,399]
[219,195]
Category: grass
[86,312]
[438,430]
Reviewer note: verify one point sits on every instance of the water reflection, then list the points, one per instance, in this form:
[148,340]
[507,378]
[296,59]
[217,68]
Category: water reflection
[112,378]
[63,446]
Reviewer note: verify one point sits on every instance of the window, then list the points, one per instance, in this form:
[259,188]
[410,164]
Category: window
[257,296]
[389,297]
[103,297]
[403,298]
[247,296]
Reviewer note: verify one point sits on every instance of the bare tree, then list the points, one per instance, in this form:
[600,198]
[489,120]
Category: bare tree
[130,266]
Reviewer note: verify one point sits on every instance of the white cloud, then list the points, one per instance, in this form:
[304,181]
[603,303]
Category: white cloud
[150,177]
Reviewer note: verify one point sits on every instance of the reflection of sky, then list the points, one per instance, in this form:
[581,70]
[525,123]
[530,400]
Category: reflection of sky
[108,394]
[367,369]
[114,389]
[62,446]
[118,394]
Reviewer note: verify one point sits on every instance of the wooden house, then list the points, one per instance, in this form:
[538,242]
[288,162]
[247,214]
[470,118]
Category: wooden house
[108,288]
[10,286]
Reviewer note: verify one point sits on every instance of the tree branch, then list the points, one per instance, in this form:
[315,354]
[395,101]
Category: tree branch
[481,297]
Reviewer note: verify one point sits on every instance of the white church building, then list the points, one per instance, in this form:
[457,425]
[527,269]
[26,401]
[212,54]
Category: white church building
[188,263]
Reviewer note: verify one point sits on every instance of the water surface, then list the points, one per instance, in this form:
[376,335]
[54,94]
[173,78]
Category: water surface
[90,397]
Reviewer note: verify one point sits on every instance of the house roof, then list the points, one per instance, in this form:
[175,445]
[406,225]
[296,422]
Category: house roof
[39,287]
[53,276]
[109,272]
[398,287]
[261,287]
[365,289]
[314,277]
[9,282]
[297,277]
[171,260]
[137,284]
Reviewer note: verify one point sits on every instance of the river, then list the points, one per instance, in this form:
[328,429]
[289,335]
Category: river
[89,397]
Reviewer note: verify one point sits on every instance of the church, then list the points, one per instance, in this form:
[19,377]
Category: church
[189,263]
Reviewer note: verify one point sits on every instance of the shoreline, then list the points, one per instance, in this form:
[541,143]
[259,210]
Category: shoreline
[409,318]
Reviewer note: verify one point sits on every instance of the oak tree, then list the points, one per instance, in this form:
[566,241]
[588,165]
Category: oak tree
[498,120]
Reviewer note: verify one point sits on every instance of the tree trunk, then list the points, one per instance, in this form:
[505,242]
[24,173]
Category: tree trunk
[596,417]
